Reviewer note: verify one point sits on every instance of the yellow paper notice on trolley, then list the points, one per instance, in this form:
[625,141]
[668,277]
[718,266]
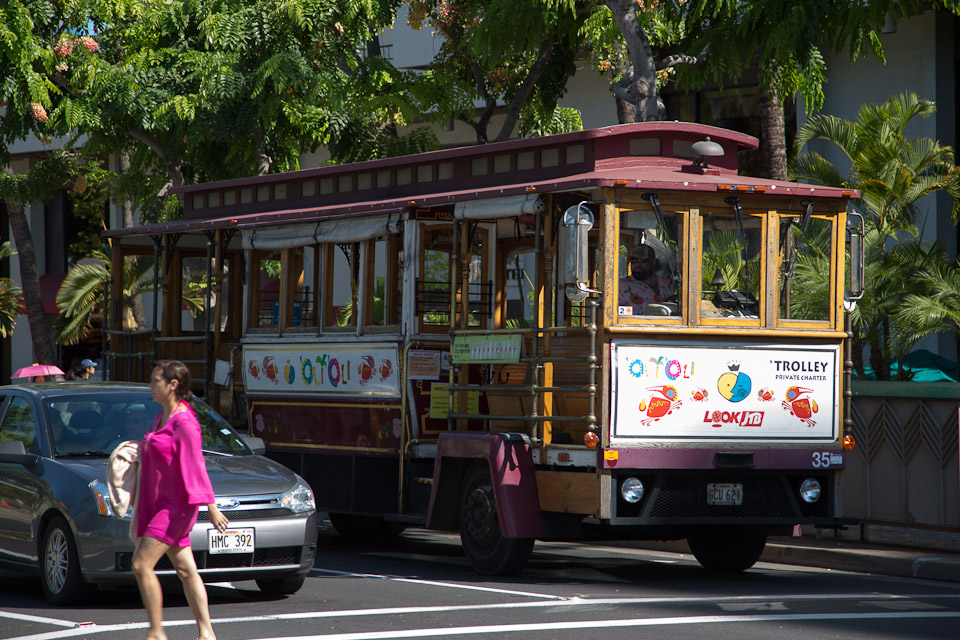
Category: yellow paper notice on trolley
[440,401]
[486,349]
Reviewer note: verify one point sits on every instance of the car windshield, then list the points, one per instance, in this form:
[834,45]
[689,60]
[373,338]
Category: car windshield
[93,424]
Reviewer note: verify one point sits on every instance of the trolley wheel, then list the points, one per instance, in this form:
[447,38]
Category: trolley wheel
[727,550]
[350,524]
[487,549]
[60,566]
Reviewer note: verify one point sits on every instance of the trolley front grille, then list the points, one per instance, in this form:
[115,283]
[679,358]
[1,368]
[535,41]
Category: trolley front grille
[686,497]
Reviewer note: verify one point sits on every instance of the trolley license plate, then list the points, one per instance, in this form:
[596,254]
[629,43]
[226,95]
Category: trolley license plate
[724,494]
[230,541]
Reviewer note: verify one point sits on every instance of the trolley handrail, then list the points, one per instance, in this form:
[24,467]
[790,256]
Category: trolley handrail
[535,389]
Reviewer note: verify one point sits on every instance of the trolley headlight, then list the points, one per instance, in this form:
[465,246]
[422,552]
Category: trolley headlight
[810,490]
[632,490]
[300,498]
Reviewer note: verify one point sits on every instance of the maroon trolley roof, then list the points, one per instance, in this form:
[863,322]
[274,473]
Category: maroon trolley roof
[649,156]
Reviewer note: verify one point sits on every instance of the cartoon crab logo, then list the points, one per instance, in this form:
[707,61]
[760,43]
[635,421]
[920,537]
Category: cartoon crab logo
[270,369]
[664,401]
[386,369]
[253,369]
[799,405]
[366,368]
[765,395]
[699,394]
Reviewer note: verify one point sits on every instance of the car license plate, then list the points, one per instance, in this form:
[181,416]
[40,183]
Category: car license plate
[230,541]
[724,494]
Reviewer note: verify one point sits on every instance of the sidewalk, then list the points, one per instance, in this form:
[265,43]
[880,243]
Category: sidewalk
[907,553]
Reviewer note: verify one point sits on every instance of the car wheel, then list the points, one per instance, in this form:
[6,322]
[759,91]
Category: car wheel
[281,586]
[487,549]
[60,566]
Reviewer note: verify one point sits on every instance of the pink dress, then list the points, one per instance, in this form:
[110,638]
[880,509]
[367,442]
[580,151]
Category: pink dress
[173,479]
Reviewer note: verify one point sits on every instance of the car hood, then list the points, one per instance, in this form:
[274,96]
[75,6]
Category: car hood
[229,475]
[248,475]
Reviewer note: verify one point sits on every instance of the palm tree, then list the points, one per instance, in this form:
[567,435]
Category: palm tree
[81,294]
[937,309]
[892,173]
[11,298]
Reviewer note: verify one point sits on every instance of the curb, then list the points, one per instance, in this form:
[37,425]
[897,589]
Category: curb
[905,563]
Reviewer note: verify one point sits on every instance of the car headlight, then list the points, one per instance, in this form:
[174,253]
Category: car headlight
[100,496]
[300,498]
[810,490]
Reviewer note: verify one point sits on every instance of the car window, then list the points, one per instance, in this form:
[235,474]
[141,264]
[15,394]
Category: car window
[218,435]
[95,423]
[20,423]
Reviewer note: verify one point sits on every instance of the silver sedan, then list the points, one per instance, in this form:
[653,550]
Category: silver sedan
[56,520]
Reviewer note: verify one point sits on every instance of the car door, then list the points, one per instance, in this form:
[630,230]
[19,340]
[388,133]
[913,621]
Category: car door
[20,486]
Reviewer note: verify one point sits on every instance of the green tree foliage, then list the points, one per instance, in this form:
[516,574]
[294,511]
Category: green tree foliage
[720,39]
[205,90]
[892,173]
[81,295]
[34,36]
[519,53]
[11,298]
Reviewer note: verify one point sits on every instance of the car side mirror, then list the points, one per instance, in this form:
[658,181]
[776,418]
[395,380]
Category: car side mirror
[14,452]
[256,445]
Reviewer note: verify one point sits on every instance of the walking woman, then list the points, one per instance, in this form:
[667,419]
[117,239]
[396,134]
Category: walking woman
[173,483]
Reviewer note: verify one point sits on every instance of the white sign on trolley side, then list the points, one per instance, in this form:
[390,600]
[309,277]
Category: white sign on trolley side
[747,392]
[341,369]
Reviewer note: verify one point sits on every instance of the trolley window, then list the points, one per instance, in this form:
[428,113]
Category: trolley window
[731,268]
[650,263]
[806,269]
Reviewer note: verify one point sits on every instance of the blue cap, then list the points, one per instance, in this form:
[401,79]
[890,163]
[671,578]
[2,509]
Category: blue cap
[87,362]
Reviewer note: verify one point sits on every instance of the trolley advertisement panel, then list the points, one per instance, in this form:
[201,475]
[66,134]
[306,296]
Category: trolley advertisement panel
[747,392]
[323,369]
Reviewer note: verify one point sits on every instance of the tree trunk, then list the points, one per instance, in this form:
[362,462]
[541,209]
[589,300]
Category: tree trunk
[626,112]
[857,355]
[524,91]
[772,135]
[44,351]
[879,360]
[644,67]
[139,316]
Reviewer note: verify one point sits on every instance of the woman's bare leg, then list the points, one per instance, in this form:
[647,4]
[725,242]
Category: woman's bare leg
[149,551]
[193,589]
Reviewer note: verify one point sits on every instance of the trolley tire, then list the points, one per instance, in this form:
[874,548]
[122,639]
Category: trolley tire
[487,549]
[281,586]
[60,574]
[357,526]
[727,550]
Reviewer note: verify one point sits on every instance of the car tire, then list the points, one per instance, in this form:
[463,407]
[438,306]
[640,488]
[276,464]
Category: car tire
[281,586]
[60,566]
[487,549]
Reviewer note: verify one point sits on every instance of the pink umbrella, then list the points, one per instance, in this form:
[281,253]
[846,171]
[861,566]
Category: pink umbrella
[38,370]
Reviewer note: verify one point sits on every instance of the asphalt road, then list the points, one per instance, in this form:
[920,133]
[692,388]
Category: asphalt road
[420,586]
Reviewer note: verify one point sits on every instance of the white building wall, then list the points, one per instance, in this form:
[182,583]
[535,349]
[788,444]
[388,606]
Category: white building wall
[915,55]
[920,56]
